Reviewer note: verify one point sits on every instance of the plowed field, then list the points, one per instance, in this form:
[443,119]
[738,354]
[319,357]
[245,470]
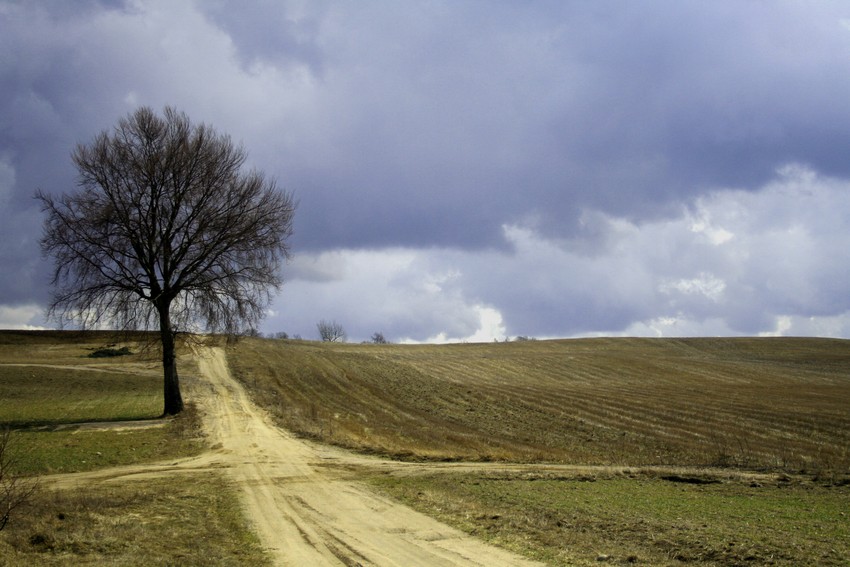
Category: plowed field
[755,403]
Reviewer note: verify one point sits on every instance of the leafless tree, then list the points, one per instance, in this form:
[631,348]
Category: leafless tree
[166,231]
[331,331]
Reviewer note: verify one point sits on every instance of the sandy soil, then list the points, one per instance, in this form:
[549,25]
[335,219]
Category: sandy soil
[303,511]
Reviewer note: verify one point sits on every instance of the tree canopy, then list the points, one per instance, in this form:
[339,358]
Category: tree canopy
[167,231]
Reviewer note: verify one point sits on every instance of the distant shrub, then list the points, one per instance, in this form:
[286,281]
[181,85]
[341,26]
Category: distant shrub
[109,351]
[378,339]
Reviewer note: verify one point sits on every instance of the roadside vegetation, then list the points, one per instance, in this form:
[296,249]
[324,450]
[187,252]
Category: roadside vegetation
[70,412]
[697,451]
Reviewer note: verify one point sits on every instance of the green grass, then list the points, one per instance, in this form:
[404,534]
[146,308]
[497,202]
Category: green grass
[35,395]
[50,452]
[644,520]
[48,383]
[187,519]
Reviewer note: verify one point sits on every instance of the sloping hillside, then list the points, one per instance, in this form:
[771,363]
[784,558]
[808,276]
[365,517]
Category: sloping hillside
[779,403]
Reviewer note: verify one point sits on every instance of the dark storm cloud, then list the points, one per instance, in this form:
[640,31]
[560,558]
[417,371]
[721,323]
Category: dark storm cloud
[423,127]
[51,95]
[551,108]
[271,31]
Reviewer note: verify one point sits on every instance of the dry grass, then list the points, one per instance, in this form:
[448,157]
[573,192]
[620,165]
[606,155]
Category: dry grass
[72,347]
[751,403]
[183,520]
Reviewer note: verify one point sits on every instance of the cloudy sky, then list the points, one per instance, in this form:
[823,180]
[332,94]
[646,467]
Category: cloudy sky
[471,169]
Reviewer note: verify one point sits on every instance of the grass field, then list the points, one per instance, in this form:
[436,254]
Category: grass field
[185,520]
[770,417]
[49,385]
[688,451]
[60,395]
[640,518]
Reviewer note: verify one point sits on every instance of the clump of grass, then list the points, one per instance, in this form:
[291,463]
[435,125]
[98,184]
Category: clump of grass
[15,489]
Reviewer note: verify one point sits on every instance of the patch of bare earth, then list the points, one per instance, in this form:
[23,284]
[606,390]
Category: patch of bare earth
[304,513]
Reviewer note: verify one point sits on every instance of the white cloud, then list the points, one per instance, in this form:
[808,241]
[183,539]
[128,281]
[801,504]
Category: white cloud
[704,284]
[702,224]
[21,317]
[403,293]
[782,273]
[490,328]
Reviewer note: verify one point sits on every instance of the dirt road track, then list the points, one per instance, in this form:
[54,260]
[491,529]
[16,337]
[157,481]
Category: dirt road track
[296,494]
[306,515]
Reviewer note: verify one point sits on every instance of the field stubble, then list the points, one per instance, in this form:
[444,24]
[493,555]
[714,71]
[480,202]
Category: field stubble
[762,404]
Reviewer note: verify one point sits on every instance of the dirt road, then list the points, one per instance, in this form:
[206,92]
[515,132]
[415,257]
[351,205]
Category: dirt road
[303,512]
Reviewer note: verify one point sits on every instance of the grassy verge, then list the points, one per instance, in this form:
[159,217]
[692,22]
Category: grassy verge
[640,520]
[180,520]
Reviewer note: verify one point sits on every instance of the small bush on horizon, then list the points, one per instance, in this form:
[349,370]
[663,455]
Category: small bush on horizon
[378,339]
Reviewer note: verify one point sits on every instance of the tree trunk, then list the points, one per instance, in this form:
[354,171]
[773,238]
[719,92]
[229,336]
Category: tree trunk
[171,382]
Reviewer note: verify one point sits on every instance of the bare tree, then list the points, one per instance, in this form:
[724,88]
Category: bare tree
[166,231]
[331,331]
